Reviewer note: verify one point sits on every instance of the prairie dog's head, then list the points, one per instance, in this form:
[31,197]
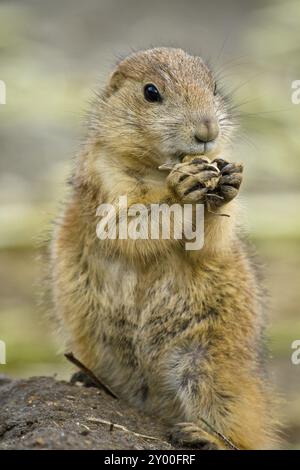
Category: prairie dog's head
[159,105]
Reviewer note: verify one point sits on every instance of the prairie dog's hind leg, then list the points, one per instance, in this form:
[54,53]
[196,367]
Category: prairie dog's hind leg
[221,408]
[188,378]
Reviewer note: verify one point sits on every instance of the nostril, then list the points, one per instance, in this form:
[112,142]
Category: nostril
[199,139]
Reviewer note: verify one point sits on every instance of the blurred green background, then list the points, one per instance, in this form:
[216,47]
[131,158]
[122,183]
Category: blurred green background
[52,54]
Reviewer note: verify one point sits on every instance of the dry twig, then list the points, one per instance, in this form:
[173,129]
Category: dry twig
[220,435]
[124,429]
[70,356]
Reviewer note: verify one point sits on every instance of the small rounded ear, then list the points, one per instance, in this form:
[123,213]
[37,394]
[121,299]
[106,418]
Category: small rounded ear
[115,82]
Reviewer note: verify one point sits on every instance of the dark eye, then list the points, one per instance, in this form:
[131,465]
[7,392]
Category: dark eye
[215,89]
[151,93]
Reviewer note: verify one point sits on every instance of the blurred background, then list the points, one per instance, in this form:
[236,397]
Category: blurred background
[52,54]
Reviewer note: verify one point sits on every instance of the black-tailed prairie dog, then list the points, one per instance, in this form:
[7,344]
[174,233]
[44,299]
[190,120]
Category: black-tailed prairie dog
[177,333]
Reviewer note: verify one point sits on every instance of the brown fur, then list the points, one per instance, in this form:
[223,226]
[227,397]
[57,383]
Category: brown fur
[176,333]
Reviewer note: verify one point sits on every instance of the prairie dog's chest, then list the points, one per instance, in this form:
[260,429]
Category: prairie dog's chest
[119,287]
[133,297]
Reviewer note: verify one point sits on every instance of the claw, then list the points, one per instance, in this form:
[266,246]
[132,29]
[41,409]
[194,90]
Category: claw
[166,167]
[232,168]
[214,195]
[220,162]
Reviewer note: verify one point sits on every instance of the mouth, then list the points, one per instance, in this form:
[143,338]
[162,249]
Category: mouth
[207,149]
[179,156]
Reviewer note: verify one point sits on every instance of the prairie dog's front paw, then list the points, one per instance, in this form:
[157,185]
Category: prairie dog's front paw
[229,182]
[191,181]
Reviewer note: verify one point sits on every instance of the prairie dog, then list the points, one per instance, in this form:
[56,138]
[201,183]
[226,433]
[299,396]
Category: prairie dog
[176,333]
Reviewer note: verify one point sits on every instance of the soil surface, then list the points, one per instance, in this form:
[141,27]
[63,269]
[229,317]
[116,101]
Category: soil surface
[42,413]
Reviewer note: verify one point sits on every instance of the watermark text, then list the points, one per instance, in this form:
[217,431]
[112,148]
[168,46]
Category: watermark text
[2,352]
[2,92]
[295,357]
[152,222]
[296,93]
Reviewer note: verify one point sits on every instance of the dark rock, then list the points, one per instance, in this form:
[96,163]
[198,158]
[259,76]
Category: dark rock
[42,413]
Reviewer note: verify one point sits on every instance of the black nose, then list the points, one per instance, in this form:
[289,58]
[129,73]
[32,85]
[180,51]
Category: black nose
[206,131]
